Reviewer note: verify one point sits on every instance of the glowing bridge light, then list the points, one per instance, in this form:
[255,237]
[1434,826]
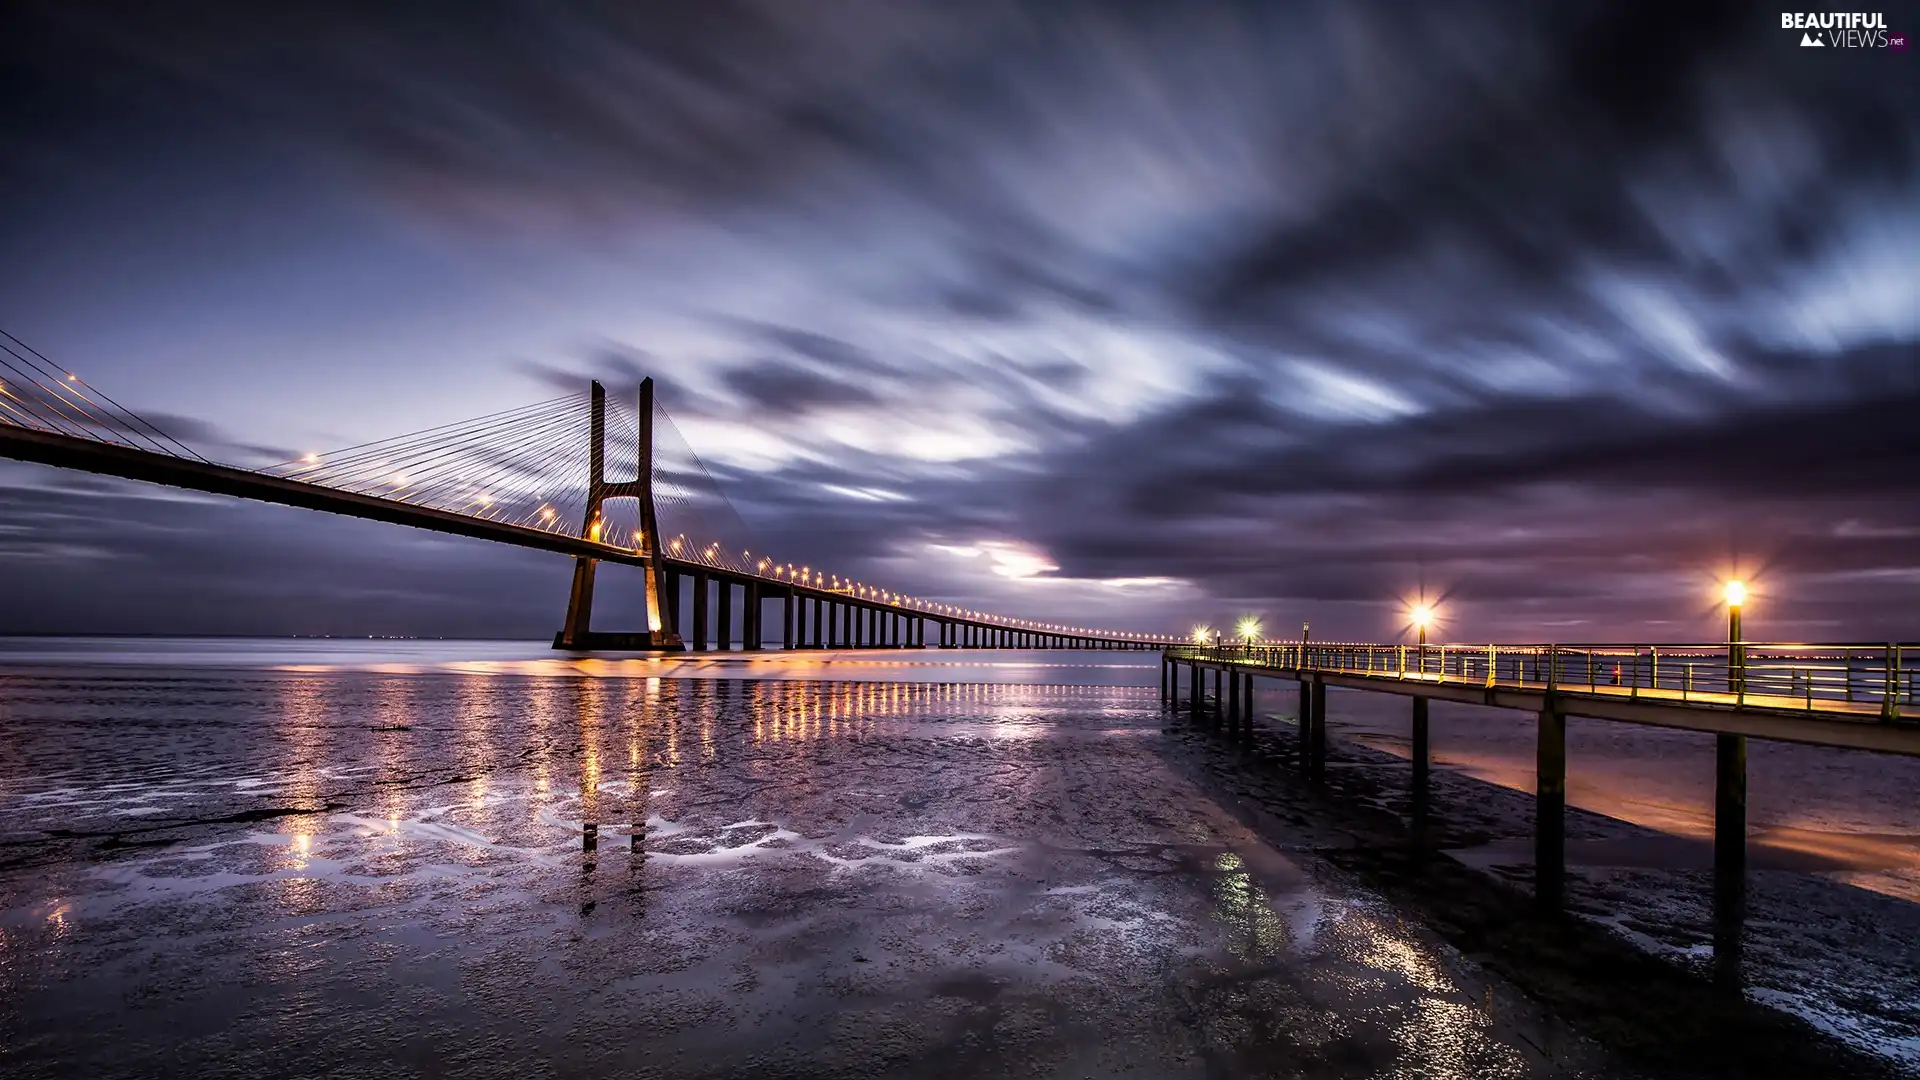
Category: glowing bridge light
[1736,593]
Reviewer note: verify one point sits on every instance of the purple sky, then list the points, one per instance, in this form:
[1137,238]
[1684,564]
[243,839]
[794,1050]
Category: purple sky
[1128,314]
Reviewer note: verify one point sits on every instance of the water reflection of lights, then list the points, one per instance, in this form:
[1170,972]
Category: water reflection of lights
[1244,905]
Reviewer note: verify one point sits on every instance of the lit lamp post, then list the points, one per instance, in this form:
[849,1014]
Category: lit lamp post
[1249,629]
[1202,635]
[1421,617]
[1736,593]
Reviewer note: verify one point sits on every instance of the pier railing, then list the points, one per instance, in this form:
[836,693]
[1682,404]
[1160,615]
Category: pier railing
[1842,678]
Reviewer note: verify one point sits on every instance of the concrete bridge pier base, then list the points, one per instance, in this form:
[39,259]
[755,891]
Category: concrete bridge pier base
[1550,810]
[725,590]
[752,614]
[700,610]
[575,631]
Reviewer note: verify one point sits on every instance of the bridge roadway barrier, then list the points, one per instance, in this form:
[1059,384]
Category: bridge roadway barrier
[1845,696]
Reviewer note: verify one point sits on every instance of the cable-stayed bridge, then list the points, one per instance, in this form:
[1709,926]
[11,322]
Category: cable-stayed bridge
[577,475]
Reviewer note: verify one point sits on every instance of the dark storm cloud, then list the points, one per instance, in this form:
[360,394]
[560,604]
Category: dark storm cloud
[1301,303]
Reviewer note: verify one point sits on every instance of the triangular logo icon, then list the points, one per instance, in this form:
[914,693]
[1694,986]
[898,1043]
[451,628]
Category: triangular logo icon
[1808,40]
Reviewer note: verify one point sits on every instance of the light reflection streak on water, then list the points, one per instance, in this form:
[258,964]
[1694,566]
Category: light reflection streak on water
[473,717]
[1244,905]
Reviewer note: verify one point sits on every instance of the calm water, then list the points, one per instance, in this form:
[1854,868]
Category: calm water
[304,858]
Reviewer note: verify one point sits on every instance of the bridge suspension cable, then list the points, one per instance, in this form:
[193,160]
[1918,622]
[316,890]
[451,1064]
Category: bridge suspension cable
[35,393]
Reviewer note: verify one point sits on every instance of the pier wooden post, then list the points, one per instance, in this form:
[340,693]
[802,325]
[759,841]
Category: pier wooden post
[1246,706]
[1230,713]
[1193,690]
[1550,809]
[1319,750]
[1729,857]
[1306,725]
[1422,755]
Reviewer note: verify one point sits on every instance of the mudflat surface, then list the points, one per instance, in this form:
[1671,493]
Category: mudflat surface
[342,874]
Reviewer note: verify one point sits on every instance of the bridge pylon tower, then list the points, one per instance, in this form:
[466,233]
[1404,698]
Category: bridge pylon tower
[577,632]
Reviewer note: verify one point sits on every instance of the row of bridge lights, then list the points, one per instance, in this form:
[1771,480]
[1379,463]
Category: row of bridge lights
[808,577]
[1421,616]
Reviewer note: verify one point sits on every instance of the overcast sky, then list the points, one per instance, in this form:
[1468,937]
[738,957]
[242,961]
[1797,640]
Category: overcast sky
[1133,314]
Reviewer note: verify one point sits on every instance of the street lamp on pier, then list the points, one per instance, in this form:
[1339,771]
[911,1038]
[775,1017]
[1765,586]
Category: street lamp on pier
[1736,595]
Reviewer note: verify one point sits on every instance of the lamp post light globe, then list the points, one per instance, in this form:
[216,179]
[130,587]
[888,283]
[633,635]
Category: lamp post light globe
[1735,593]
[1422,617]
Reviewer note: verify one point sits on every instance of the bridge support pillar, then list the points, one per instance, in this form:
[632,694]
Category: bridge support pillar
[819,623]
[576,632]
[670,602]
[725,591]
[1550,810]
[1729,857]
[751,618]
[787,606]
[700,612]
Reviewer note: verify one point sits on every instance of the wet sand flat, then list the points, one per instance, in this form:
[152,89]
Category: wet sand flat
[261,873]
